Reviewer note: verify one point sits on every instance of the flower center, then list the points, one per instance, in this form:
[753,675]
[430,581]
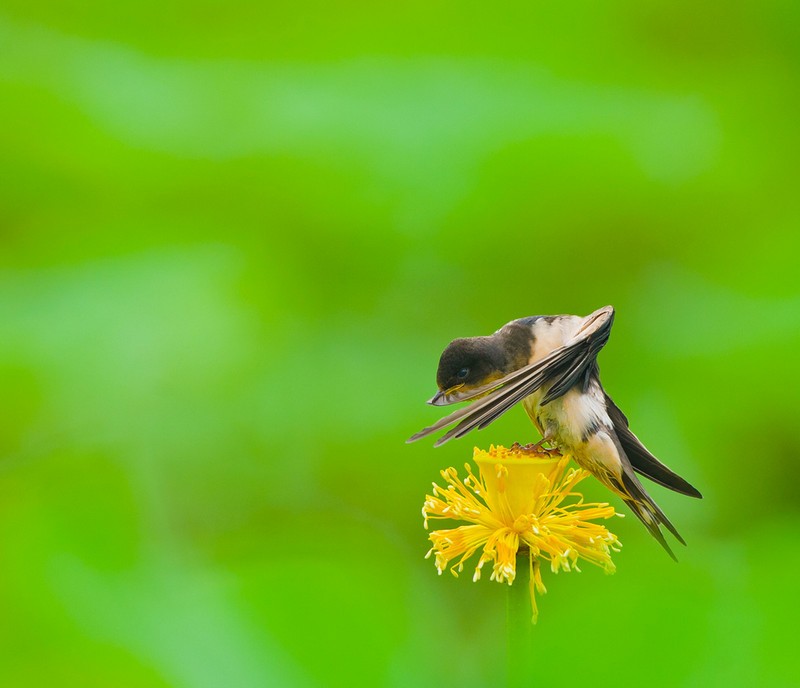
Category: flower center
[522,524]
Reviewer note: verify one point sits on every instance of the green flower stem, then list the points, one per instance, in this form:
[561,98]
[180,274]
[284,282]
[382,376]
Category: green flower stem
[520,629]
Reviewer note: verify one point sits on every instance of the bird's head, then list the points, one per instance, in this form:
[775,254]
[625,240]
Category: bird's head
[465,366]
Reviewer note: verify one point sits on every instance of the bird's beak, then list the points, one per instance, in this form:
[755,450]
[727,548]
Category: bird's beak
[447,397]
[438,399]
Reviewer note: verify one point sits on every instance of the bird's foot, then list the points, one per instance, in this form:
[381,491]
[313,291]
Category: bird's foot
[552,452]
[538,449]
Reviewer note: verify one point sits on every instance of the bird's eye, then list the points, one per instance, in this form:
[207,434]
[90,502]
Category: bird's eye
[461,374]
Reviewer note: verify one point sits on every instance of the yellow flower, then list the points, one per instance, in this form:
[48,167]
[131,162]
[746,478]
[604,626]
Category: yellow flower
[517,503]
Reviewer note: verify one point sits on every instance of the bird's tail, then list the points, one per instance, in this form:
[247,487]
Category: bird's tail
[647,511]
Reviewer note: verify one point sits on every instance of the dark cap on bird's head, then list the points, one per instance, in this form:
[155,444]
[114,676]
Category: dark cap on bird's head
[467,364]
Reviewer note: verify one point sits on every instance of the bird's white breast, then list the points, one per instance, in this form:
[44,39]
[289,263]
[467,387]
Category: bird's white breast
[568,419]
[576,422]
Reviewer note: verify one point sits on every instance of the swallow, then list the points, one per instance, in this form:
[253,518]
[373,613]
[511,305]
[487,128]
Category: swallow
[549,364]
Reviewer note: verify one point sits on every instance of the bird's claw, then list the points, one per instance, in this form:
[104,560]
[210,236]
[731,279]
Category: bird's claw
[537,449]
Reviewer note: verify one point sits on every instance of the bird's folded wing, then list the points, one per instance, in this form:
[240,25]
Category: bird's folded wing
[562,368]
[641,460]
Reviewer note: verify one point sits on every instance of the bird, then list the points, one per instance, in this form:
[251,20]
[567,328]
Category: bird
[549,364]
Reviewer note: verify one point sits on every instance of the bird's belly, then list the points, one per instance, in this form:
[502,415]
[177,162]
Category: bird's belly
[569,421]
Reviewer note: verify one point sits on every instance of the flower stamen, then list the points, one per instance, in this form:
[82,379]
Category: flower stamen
[519,498]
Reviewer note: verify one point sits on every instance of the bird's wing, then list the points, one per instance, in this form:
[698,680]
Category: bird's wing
[578,364]
[562,368]
[642,461]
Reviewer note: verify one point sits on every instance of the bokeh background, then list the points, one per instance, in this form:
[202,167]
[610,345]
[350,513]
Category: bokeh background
[234,238]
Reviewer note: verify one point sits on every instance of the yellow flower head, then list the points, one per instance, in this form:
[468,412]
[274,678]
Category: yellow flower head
[517,502]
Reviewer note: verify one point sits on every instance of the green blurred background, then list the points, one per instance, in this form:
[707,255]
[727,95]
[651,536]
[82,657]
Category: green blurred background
[234,238]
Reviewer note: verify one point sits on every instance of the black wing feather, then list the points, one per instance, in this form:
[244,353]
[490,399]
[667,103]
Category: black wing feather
[582,364]
[642,461]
